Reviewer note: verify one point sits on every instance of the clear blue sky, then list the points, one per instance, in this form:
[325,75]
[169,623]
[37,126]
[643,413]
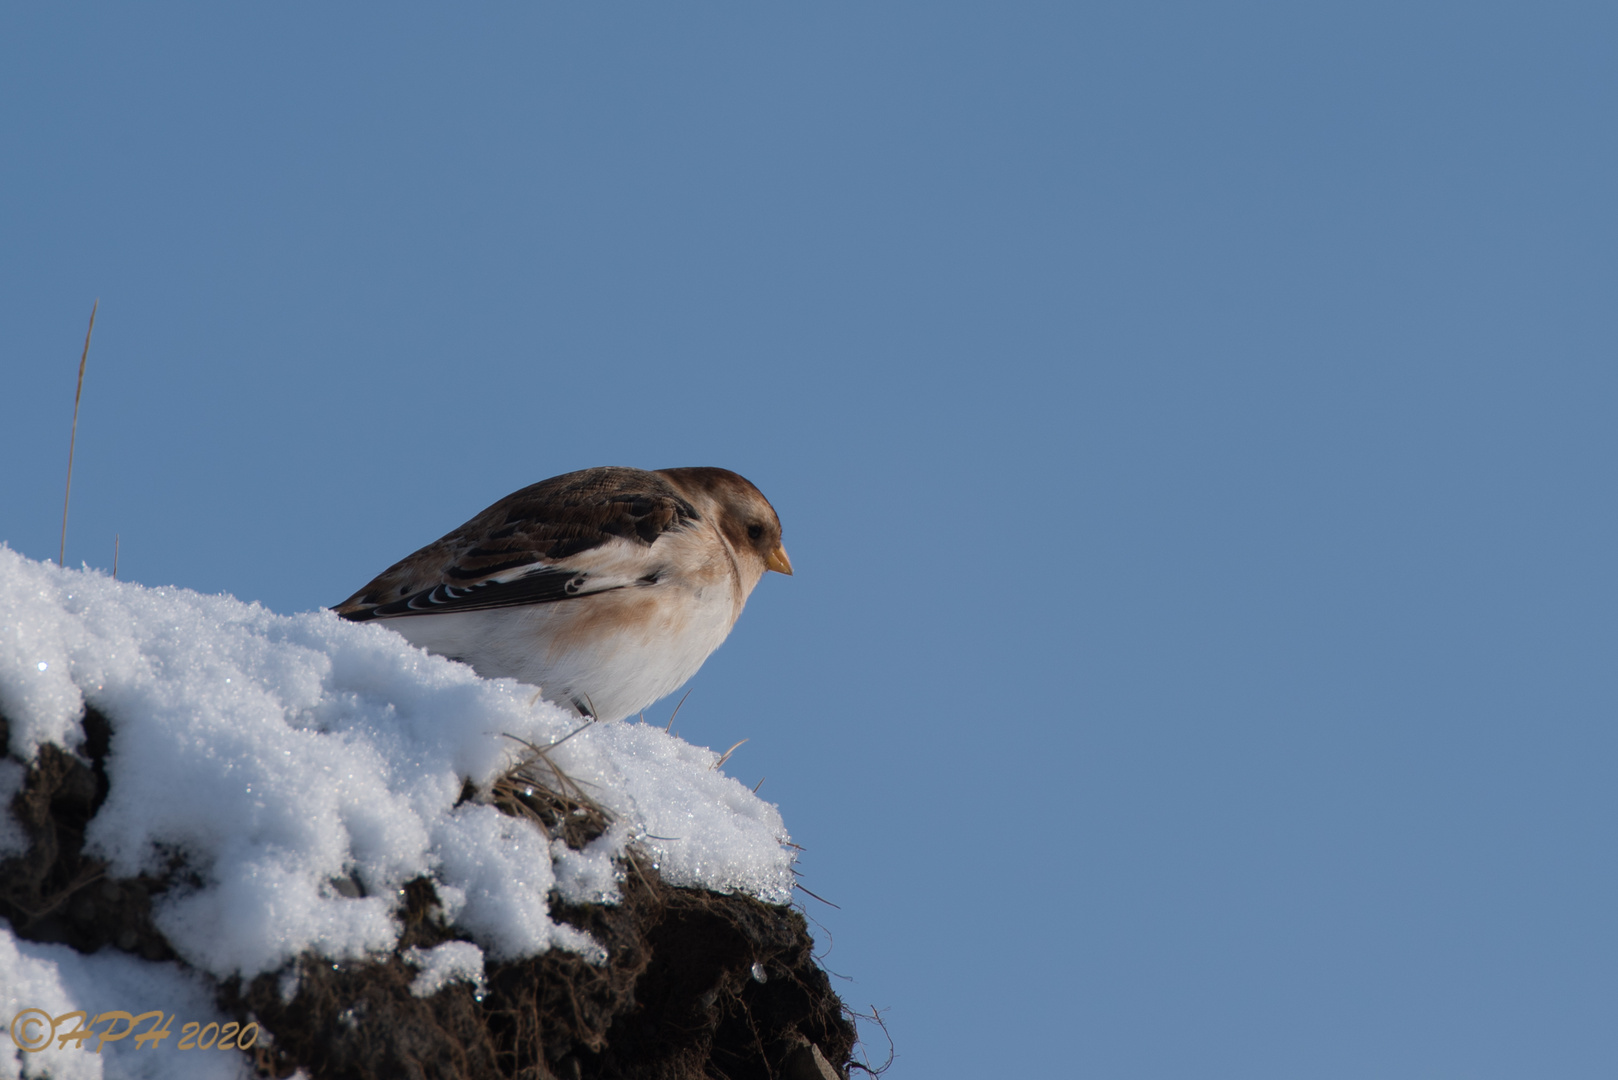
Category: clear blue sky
[1193,427]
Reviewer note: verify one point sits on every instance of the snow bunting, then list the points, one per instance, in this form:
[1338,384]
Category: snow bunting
[606,588]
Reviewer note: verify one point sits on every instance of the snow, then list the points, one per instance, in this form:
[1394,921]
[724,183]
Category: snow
[284,756]
[56,980]
[445,963]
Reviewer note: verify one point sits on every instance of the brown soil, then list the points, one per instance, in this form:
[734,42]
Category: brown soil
[696,984]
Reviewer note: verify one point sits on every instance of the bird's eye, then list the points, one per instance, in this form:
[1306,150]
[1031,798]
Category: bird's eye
[755,531]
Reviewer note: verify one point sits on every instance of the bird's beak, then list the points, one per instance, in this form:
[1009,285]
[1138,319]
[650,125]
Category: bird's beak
[779,562]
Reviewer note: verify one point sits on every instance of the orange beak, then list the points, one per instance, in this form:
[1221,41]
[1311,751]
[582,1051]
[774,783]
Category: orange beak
[778,561]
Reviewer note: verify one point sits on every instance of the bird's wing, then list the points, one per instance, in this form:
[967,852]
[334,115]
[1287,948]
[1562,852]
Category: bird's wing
[563,538]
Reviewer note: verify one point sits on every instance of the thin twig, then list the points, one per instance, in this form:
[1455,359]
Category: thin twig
[61,557]
[115,566]
[822,899]
[876,1018]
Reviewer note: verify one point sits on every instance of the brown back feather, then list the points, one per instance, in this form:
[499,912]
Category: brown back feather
[544,522]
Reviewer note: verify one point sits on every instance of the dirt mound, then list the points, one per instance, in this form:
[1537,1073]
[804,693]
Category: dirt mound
[696,984]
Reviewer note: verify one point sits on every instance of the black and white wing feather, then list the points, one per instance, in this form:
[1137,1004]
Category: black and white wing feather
[570,536]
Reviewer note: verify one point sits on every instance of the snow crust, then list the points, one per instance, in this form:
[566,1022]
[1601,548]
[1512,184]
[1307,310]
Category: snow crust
[283,755]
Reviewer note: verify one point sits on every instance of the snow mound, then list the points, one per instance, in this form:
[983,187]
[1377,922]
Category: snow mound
[305,768]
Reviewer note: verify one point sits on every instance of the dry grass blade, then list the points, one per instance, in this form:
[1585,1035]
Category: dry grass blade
[726,757]
[536,788]
[115,559]
[73,437]
[92,872]
[676,712]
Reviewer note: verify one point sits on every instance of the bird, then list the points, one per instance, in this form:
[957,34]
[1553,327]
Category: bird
[605,588]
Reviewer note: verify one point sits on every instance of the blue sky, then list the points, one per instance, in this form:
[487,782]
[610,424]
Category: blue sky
[1193,428]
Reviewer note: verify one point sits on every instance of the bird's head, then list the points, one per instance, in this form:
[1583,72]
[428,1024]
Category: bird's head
[740,510]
